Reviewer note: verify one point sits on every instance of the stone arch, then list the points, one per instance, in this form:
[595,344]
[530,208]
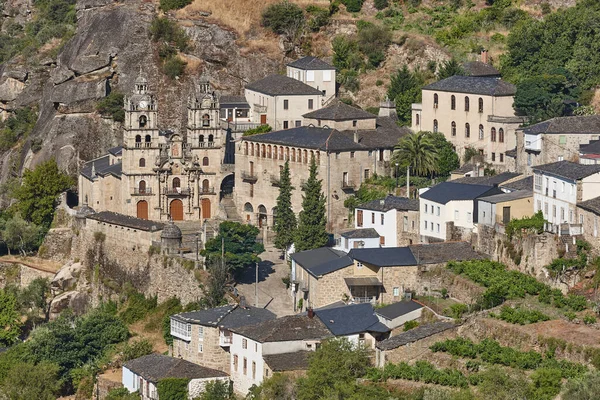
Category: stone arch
[148,139]
[142,162]
[467,103]
[205,185]
[138,138]
[205,162]
[142,121]
[269,151]
[281,152]
[176,183]
[262,216]
[435,100]
[275,151]
[142,186]
[246,148]
[227,185]
[201,140]
[248,211]
[205,120]
[453,102]
[501,135]
[493,134]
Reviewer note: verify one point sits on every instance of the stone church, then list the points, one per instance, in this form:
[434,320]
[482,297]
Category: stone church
[162,174]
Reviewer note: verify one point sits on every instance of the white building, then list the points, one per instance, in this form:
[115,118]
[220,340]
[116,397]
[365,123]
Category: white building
[558,188]
[397,314]
[143,374]
[314,72]
[450,203]
[357,239]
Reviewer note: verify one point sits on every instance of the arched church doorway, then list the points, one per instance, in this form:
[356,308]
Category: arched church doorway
[177,210]
[262,216]
[227,185]
[142,209]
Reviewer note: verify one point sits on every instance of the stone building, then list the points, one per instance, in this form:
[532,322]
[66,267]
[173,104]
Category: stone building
[471,111]
[589,216]
[554,140]
[162,174]
[204,337]
[316,73]
[345,157]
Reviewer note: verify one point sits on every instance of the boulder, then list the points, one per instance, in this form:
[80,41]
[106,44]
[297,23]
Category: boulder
[10,89]
[61,74]
[66,277]
[74,300]
[89,63]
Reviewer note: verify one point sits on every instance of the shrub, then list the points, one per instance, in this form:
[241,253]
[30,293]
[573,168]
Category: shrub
[259,129]
[373,41]
[381,4]
[18,125]
[173,388]
[112,106]
[535,222]
[570,315]
[589,319]
[164,30]
[410,325]
[136,349]
[167,5]
[546,8]
[99,236]
[457,310]
[353,5]
[421,371]
[122,394]
[174,67]
[138,306]
[520,316]
[318,17]
[283,18]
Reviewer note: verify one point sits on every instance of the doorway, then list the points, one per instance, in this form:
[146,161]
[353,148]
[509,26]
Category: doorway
[177,210]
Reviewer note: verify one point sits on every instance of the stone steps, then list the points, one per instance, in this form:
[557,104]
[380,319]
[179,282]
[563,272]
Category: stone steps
[231,210]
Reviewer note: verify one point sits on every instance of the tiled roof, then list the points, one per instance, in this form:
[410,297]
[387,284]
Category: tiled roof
[468,167]
[116,151]
[568,169]
[322,261]
[280,85]
[233,101]
[398,309]
[348,319]
[114,218]
[593,147]
[339,111]
[384,257]
[365,233]
[102,166]
[502,197]
[583,124]
[310,63]
[487,180]
[391,203]
[155,367]
[521,184]
[474,85]
[437,253]
[415,334]
[284,329]
[592,205]
[297,361]
[449,191]
[229,317]
[478,68]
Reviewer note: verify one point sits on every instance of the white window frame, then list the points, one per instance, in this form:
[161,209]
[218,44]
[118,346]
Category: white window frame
[396,292]
[327,75]
[310,76]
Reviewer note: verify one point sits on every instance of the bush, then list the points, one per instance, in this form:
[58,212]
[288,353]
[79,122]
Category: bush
[167,5]
[373,41]
[174,67]
[283,18]
[589,319]
[173,388]
[122,394]
[257,130]
[19,125]
[138,306]
[410,325]
[421,371]
[381,4]
[318,17]
[535,223]
[520,316]
[136,349]
[164,30]
[353,5]
[112,106]
[456,311]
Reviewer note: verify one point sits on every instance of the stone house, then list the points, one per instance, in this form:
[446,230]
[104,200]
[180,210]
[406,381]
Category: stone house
[344,158]
[499,209]
[471,111]
[451,206]
[316,73]
[554,140]
[204,337]
[588,215]
[558,188]
[143,374]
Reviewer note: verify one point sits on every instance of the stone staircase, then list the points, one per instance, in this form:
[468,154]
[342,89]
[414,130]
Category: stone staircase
[569,243]
[231,210]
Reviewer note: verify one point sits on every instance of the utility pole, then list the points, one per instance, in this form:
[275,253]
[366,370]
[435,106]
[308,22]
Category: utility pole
[396,190]
[256,287]
[408,181]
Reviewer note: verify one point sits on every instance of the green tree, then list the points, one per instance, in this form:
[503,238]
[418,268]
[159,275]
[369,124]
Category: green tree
[20,235]
[447,159]
[112,106]
[417,151]
[27,381]
[136,349]
[173,388]
[122,394]
[279,386]
[496,384]
[335,365]
[405,89]
[450,68]
[239,242]
[312,230]
[543,97]
[283,18]
[37,196]
[214,290]
[285,222]
[585,388]
[373,42]
[216,390]
[10,320]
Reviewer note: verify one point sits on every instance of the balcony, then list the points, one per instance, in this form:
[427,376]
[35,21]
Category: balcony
[206,144]
[275,180]
[177,191]
[139,145]
[206,190]
[372,300]
[142,192]
[348,185]
[249,176]
[225,339]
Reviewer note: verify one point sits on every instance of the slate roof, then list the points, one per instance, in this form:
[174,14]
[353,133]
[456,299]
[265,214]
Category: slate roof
[592,205]
[413,335]
[398,309]
[103,167]
[502,197]
[349,319]
[474,85]
[116,151]
[311,63]
[448,191]
[384,257]
[583,124]
[436,253]
[230,101]
[289,328]
[155,367]
[593,147]
[487,180]
[478,68]
[228,317]
[339,111]
[322,261]
[521,184]
[568,169]
[114,218]
[297,361]
[365,233]
[280,85]
[468,167]
[391,203]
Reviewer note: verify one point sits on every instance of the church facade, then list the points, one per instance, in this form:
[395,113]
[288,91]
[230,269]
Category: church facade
[162,174]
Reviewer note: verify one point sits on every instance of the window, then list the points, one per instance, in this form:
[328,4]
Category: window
[285,125]
[437,211]
[529,159]
[467,130]
[425,225]
[310,104]
[382,240]
[554,211]
[310,76]
[206,120]
[326,76]
[405,224]
[417,119]
[435,125]
[351,154]
[501,135]
[562,214]
[563,187]
[561,158]
[456,215]
[453,102]
[480,105]
[200,333]
[256,347]
[396,291]
[480,132]
[367,174]
[286,104]
[545,208]
[438,228]
[298,124]
[205,161]
[245,366]
[142,162]
[235,362]
[244,343]
[493,157]
[493,136]
[200,347]
[359,218]
[562,139]
[426,207]
[501,157]
[453,129]
[359,264]
[469,217]
[143,121]
[373,218]
[382,218]
[466,103]
[354,123]
[253,370]
[176,183]
[435,100]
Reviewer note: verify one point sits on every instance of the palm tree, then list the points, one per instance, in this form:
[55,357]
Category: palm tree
[418,151]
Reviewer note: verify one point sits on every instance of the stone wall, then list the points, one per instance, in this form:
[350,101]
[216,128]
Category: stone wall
[103,386]
[14,273]
[211,356]
[438,277]
[57,245]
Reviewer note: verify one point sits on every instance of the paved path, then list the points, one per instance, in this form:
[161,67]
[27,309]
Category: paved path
[272,292]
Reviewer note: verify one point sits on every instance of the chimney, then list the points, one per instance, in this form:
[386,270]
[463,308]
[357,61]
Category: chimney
[355,136]
[484,56]
[381,202]
[310,312]
[243,302]
[387,108]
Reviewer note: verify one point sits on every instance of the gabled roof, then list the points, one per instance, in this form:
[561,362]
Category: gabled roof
[582,124]
[592,205]
[310,63]
[102,166]
[391,203]
[127,221]
[468,167]
[116,151]
[384,257]
[229,317]
[415,334]
[568,169]
[280,85]
[230,101]
[349,319]
[339,111]
[322,261]
[502,197]
[474,85]
[487,180]
[398,309]
[285,329]
[155,367]
[521,184]
[449,191]
[437,253]
[593,147]
[478,68]
[297,361]
[364,233]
